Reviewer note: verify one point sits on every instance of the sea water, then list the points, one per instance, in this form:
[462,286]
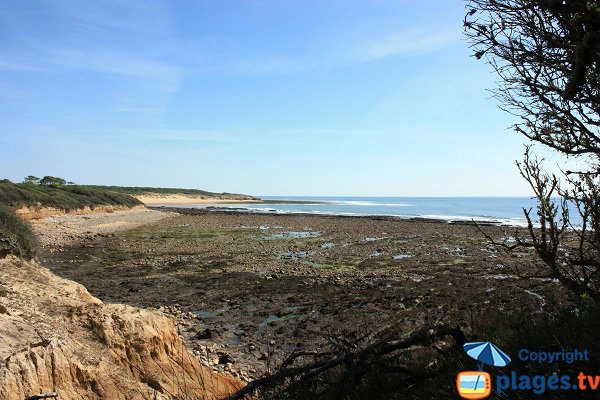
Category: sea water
[507,210]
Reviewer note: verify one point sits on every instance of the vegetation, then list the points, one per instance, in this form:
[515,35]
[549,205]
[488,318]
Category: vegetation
[424,364]
[362,367]
[34,180]
[15,236]
[50,181]
[66,197]
[547,56]
[153,190]
[50,191]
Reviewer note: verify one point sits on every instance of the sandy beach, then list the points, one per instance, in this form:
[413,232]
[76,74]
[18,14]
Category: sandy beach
[181,199]
[55,231]
[248,289]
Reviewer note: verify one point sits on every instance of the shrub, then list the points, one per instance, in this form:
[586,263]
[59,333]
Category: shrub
[15,235]
[63,197]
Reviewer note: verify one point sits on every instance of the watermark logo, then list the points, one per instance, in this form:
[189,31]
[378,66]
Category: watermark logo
[474,384]
[478,384]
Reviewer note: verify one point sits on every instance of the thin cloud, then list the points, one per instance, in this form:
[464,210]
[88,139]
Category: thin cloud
[148,17]
[92,40]
[129,43]
[332,52]
[63,135]
[15,64]
[361,48]
[183,136]
[406,42]
[111,62]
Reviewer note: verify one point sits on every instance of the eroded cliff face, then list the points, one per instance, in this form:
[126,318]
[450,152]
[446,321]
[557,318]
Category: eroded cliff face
[56,337]
[39,212]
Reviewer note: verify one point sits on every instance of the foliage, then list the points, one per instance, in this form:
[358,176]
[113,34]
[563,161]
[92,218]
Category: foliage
[547,55]
[154,190]
[15,236]
[52,181]
[129,190]
[361,367]
[63,197]
[428,369]
[34,180]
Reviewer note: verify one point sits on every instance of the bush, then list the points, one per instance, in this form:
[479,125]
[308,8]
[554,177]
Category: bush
[63,197]
[406,375]
[15,235]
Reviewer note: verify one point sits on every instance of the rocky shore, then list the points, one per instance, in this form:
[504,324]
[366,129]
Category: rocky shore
[249,289]
[58,340]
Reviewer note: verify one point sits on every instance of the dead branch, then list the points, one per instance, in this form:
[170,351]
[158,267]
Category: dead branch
[360,356]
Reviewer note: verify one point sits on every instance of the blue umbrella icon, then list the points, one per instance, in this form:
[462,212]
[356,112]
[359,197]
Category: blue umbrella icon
[486,353]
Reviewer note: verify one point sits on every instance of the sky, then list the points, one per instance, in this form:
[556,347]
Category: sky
[346,98]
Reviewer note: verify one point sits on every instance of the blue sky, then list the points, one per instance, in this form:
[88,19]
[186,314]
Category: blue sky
[281,97]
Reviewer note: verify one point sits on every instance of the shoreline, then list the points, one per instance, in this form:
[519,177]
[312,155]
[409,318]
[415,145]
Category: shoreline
[250,287]
[242,210]
[153,200]
[459,212]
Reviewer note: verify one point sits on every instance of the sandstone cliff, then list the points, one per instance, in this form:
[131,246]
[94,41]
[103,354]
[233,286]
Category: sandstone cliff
[56,337]
[38,212]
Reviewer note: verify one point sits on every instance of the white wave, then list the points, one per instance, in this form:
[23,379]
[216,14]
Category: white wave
[363,203]
[504,221]
[271,208]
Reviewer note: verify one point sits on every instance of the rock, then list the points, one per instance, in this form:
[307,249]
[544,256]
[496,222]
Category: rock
[264,356]
[205,334]
[102,351]
[225,358]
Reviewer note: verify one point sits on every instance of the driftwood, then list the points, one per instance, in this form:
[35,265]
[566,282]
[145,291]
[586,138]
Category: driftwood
[42,396]
[359,357]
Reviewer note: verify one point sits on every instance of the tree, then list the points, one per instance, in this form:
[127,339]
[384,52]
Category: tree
[52,181]
[547,56]
[34,180]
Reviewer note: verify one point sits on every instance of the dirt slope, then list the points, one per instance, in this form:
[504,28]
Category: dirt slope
[56,337]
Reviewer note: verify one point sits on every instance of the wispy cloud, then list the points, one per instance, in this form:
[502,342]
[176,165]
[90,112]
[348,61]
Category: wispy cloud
[104,61]
[184,135]
[332,51]
[359,47]
[84,33]
[158,74]
[147,18]
[404,42]
[126,42]
[20,63]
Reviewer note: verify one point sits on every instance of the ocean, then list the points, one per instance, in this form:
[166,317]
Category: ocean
[507,210]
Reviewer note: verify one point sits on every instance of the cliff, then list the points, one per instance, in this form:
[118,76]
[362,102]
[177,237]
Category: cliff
[39,212]
[56,337]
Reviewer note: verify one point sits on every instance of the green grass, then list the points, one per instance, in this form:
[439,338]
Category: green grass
[15,236]
[66,197]
[133,190]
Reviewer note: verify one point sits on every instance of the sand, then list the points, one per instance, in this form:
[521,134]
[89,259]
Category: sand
[56,231]
[180,199]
